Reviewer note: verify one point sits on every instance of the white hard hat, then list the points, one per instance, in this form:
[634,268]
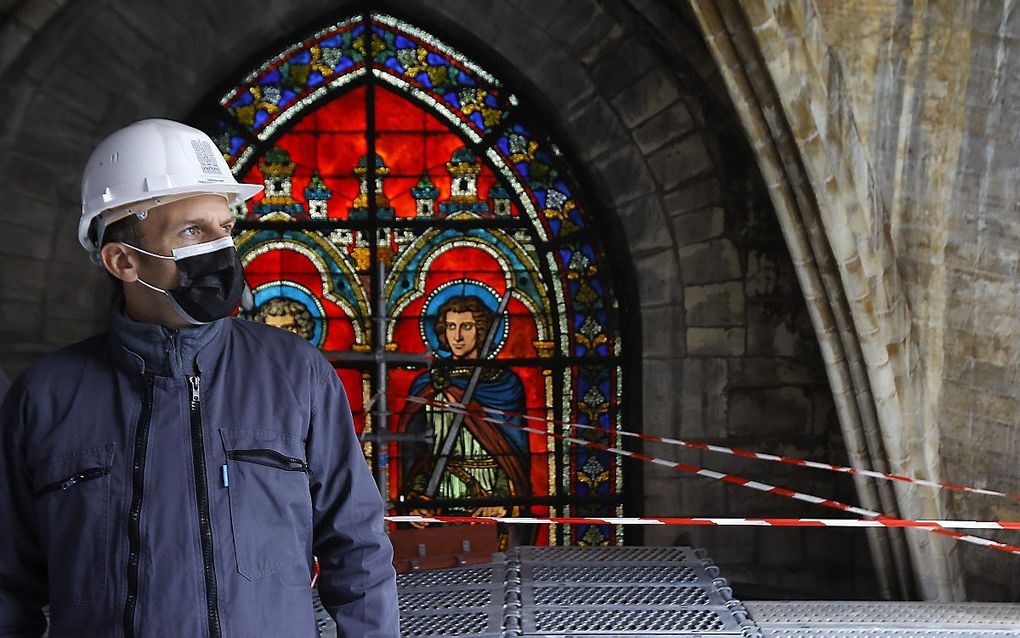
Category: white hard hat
[146,164]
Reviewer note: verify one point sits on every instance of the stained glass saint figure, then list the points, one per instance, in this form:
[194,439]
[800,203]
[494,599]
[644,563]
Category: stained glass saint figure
[487,461]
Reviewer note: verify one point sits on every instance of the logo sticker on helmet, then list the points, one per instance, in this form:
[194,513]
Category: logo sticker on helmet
[205,154]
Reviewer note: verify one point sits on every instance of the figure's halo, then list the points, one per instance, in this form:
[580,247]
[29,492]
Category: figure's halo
[300,294]
[461,288]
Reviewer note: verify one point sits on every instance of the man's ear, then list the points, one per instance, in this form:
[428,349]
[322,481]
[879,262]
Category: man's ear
[119,262]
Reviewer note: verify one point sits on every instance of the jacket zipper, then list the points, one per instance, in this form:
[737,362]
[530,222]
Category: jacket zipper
[135,513]
[269,458]
[71,481]
[204,519]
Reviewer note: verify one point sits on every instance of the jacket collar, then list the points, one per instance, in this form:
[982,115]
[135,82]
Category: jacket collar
[154,349]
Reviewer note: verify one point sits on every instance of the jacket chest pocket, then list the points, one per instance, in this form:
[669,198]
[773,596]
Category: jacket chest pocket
[266,477]
[72,502]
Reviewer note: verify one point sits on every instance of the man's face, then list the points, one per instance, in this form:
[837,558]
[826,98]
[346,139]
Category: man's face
[185,222]
[461,333]
[194,220]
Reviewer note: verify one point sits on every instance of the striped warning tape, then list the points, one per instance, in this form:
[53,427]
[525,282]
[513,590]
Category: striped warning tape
[719,476]
[712,522]
[753,455]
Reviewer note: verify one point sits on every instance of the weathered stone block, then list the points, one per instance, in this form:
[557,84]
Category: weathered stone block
[710,261]
[141,17]
[24,241]
[33,15]
[617,67]
[58,142]
[30,173]
[550,14]
[824,411]
[699,226]
[569,19]
[694,196]
[658,281]
[625,174]
[64,331]
[74,292]
[645,97]
[70,91]
[725,342]
[20,321]
[596,128]
[223,20]
[715,304]
[645,223]
[777,411]
[783,550]
[762,273]
[663,128]
[108,36]
[662,332]
[734,549]
[702,398]
[40,216]
[680,161]
[659,385]
[772,327]
[981,375]
[24,279]
[597,33]
[67,249]
[662,494]
[13,39]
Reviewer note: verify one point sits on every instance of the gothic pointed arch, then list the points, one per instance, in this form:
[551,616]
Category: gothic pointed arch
[408,193]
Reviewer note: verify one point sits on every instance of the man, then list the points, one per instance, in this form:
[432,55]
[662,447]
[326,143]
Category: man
[487,461]
[174,476]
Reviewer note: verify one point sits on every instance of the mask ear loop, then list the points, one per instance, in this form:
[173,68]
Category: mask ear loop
[145,252]
[150,286]
[170,298]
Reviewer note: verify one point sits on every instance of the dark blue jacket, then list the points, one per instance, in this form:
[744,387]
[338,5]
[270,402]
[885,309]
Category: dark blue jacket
[177,483]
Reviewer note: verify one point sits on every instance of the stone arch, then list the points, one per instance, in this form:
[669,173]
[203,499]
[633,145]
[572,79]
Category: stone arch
[793,101]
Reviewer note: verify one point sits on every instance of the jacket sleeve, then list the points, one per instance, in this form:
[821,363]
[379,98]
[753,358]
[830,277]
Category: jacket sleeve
[23,588]
[357,582]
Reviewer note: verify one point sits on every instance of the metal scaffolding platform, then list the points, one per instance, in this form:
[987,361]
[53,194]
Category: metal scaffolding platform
[574,591]
[651,591]
[855,619]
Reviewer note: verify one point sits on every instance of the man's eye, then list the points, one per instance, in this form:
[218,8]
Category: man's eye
[190,231]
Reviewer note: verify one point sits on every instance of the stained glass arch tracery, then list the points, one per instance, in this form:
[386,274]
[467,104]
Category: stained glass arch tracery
[406,197]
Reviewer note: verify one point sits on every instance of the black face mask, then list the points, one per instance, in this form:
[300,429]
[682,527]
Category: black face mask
[211,280]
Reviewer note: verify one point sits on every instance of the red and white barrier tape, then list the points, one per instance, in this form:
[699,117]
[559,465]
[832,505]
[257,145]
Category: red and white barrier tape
[711,522]
[719,476]
[720,449]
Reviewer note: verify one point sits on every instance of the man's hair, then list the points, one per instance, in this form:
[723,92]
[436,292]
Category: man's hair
[281,306]
[481,314]
[125,230]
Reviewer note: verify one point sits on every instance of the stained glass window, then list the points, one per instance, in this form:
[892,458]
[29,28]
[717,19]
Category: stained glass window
[430,238]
